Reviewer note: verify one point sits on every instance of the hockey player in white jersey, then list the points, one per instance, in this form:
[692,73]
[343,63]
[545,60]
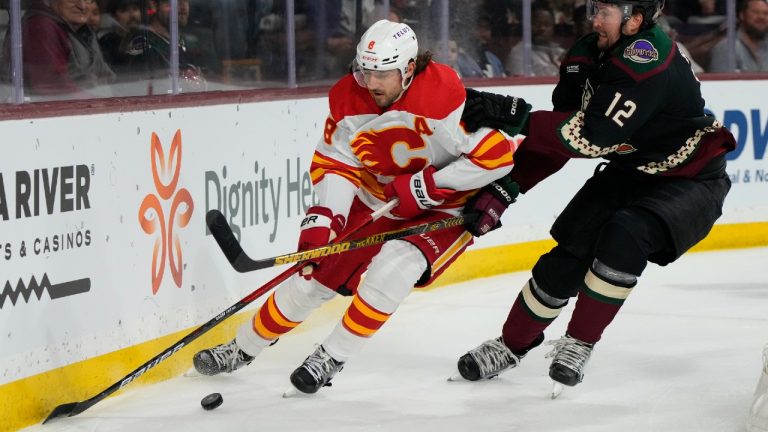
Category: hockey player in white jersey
[393,132]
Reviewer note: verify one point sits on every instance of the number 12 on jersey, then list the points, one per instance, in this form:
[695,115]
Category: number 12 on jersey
[628,109]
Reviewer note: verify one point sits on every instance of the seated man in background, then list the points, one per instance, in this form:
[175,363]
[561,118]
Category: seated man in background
[477,61]
[546,52]
[94,15]
[751,42]
[122,16]
[62,59]
[148,50]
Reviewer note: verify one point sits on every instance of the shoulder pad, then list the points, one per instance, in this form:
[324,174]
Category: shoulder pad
[584,46]
[347,99]
[645,54]
[435,93]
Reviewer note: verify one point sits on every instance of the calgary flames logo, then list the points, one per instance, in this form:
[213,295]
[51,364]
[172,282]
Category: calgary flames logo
[152,217]
[381,154]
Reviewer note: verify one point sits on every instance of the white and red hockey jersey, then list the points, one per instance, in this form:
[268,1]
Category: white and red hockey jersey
[363,148]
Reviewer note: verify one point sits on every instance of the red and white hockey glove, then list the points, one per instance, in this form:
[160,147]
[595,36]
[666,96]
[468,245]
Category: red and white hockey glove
[319,227]
[416,192]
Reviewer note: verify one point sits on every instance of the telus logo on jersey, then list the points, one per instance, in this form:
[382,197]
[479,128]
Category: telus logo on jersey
[641,51]
[152,219]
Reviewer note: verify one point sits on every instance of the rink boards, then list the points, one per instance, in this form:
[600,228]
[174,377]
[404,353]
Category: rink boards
[104,255]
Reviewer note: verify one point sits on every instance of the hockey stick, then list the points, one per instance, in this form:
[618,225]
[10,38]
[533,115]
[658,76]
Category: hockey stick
[241,262]
[75,408]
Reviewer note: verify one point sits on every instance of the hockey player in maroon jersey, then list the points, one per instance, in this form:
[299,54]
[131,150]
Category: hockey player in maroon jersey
[627,95]
[393,133]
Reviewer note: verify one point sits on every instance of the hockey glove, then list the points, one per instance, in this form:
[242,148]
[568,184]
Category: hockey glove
[495,111]
[489,204]
[416,192]
[319,227]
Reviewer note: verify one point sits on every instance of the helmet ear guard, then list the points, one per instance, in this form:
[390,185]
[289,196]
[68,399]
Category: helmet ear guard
[386,45]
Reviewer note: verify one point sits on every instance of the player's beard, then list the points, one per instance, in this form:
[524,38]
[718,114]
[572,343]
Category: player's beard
[383,99]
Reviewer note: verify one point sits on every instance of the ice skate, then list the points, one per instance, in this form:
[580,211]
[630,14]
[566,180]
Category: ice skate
[226,357]
[569,357]
[490,359]
[317,371]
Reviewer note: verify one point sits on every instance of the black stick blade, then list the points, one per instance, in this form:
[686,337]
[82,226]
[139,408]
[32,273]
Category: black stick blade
[223,235]
[64,410]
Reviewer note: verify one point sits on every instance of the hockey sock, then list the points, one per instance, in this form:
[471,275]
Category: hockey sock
[285,309]
[598,302]
[531,313]
[390,278]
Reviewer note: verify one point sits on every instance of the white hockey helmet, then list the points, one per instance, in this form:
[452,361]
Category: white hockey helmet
[386,45]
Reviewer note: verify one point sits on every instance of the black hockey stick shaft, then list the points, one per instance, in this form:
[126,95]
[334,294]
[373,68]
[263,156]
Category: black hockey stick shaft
[241,262]
[75,408]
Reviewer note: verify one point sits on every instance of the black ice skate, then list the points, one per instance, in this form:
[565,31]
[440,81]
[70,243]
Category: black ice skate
[490,359]
[226,357]
[317,371]
[569,357]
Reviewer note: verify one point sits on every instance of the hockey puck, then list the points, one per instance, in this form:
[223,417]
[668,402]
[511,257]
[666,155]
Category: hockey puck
[212,401]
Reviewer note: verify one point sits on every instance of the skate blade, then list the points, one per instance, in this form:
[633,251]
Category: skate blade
[192,373]
[455,377]
[291,392]
[557,388]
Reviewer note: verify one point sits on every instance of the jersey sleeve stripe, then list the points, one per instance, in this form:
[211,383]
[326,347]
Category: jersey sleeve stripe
[323,164]
[494,151]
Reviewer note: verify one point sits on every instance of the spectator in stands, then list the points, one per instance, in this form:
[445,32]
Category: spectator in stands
[751,42]
[122,16]
[477,61]
[334,23]
[61,56]
[705,12]
[94,15]
[546,54]
[672,33]
[581,24]
[148,49]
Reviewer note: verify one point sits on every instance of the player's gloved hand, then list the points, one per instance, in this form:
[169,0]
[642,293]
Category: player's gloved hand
[319,227]
[495,111]
[489,204]
[416,192]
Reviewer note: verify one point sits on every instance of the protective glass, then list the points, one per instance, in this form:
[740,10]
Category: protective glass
[363,76]
[606,13]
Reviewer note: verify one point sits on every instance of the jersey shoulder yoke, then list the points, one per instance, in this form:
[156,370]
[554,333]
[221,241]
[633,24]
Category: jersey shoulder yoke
[346,98]
[435,93]
[646,54]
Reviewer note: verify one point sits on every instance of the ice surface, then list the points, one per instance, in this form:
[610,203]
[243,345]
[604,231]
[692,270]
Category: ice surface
[684,354]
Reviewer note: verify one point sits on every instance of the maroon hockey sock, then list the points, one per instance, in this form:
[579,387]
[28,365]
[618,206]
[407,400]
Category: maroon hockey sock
[590,318]
[522,326]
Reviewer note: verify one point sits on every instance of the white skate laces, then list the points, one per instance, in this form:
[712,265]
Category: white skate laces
[493,357]
[320,365]
[223,358]
[316,372]
[569,357]
[571,353]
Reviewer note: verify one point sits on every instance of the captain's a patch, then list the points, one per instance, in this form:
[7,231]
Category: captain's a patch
[641,51]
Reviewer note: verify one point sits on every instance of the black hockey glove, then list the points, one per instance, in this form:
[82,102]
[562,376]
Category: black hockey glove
[489,204]
[506,113]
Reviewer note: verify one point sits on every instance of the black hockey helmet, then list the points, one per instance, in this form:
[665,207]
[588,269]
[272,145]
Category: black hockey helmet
[651,9]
